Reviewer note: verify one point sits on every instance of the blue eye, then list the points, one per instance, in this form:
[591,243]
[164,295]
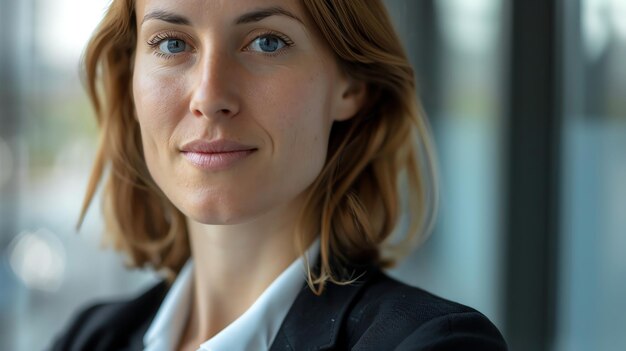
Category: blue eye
[172,46]
[267,43]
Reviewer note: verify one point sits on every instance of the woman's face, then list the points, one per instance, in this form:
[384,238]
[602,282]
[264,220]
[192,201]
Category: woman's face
[235,100]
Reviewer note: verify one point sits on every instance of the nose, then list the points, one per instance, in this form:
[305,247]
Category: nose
[214,94]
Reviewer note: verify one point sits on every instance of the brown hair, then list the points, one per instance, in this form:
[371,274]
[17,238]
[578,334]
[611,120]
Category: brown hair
[354,205]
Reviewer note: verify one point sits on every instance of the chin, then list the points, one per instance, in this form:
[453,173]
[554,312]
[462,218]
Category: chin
[218,215]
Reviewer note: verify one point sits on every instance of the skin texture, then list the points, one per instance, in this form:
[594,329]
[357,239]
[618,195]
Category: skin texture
[223,86]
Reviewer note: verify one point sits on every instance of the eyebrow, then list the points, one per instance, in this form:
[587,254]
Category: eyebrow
[261,14]
[166,17]
[250,17]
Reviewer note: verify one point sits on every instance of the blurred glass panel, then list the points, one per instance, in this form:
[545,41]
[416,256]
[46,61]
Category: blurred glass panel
[47,270]
[592,311]
[465,61]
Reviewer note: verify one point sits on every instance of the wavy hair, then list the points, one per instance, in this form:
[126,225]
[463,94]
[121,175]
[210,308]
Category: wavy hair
[380,166]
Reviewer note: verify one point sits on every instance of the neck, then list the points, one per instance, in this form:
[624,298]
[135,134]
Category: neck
[233,265]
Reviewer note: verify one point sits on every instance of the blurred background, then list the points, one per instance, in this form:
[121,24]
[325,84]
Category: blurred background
[527,100]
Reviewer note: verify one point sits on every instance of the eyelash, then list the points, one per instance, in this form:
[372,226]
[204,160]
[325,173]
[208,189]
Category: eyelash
[288,42]
[156,40]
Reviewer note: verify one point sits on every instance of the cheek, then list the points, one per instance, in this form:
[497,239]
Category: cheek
[311,126]
[157,99]
[302,122]
[158,110]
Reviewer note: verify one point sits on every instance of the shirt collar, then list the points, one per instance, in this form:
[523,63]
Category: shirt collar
[255,329]
[167,326]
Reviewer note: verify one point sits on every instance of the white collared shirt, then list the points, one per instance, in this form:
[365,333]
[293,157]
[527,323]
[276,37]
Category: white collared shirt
[255,329]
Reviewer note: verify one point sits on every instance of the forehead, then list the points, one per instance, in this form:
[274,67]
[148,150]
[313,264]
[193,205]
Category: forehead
[216,11]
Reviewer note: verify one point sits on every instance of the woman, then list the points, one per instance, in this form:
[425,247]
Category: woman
[253,151]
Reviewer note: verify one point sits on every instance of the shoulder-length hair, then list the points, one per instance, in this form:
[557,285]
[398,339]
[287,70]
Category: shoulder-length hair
[380,163]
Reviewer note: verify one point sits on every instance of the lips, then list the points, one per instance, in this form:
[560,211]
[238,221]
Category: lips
[215,147]
[217,155]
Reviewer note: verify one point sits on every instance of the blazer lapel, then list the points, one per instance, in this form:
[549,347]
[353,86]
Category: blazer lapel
[313,322]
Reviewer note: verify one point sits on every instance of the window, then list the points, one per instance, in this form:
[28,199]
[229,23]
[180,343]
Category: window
[592,284]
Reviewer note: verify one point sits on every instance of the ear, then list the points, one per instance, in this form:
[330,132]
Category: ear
[350,99]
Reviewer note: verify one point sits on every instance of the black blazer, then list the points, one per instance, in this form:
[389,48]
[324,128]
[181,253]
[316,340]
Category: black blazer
[375,313]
